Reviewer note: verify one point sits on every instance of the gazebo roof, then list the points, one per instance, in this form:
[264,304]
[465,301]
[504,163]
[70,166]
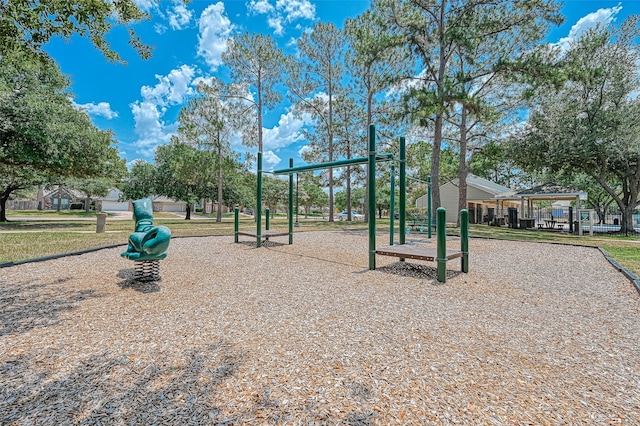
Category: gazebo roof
[547,191]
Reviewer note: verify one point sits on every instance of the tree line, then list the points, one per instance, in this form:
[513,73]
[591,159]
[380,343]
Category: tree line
[469,82]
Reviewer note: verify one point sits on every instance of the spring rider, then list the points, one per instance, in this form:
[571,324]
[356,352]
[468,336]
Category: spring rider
[148,244]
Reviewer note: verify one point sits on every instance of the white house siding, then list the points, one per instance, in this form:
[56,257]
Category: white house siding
[168,206]
[115,206]
[479,198]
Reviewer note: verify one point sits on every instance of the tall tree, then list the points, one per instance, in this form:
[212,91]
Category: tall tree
[315,81]
[439,30]
[275,193]
[91,188]
[591,125]
[350,137]
[493,163]
[206,121]
[256,63]
[497,35]
[43,134]
[310,192]
[375,58]
[141,181]
[183,172]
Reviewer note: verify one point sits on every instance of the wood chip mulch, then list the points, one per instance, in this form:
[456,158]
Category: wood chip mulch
[298,334]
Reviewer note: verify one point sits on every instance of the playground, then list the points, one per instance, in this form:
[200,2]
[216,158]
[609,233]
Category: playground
[307,333]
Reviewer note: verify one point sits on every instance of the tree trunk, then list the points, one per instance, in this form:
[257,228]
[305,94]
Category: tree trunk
[464,167]
[435,165]
[4,197]
[3,206]
[349,204]
[366,184]
[330,125]
[188,215]
[87,204]
[437,135]
[627,219]
[220,194]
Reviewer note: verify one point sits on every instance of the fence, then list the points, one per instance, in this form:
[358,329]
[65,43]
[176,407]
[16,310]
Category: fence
[22,205]
[607,222]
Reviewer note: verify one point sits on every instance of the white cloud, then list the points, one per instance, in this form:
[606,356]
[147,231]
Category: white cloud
[179,17]
[145,5]
[304,150]
[276,24]
[171,89]
[601,16]
[284,11]
[286,132]
[149,127]
[269,160]
[296,9]
[292,42]
[215,28]
[160,29]
[259,7]
[101,109]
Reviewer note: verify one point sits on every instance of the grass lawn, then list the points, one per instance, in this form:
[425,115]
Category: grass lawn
[21,240]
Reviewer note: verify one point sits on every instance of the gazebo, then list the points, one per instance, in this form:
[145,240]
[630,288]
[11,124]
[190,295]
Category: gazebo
[546,192]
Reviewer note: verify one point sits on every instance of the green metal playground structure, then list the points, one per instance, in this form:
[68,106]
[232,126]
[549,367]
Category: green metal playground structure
[440,254]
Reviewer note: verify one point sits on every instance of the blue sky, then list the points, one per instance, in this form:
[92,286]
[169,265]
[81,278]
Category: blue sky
[140,102]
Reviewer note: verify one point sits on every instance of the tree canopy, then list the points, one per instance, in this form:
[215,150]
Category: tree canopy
[27,25]
[591,124]
[43,137]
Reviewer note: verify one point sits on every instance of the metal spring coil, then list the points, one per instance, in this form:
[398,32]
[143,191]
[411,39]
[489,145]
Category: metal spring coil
[147,270]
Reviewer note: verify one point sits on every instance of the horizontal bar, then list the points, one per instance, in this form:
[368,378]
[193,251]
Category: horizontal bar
[332,164]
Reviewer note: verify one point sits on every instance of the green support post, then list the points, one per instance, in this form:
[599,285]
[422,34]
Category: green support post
[429,206]
[403,191]
[259,203]
[236,224]
[291,202]
[371,181]
[441,223]
[464,239]
[392,203]
[266,219]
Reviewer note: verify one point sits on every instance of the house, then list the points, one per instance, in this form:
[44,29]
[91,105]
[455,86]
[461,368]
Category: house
[481,201]
[112,202]
[62,196]
[164,204]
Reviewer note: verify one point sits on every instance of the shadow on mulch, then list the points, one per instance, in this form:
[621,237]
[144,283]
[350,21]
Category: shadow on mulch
[26,305]
[265,243]
[130,282]
[415,270]
[109,389]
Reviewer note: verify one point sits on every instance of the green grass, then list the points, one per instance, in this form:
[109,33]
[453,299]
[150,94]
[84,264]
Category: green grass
[627,257]
[50,213]
[42,237]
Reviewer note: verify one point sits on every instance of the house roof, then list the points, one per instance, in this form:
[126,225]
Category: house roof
[163,199]
[552,190]
[548,191]
[72,192]
[487,185]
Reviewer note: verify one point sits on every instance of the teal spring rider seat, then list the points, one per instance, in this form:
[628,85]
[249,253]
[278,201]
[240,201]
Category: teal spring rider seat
[148,244]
